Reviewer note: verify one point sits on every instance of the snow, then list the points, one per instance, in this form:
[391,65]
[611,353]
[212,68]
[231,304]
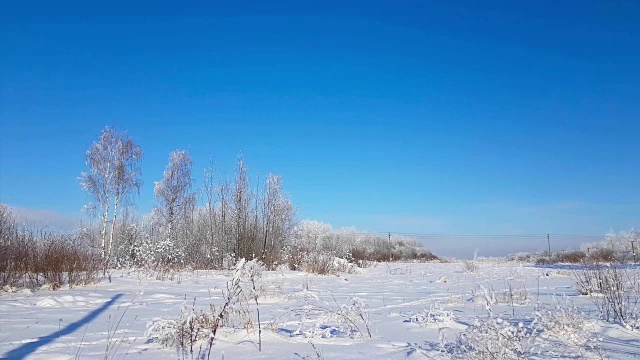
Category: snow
[413,310]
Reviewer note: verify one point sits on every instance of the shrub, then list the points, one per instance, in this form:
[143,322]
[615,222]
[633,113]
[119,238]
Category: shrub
[493,339]
[183,332]
[295,256]
[614,291]
[196,325]
[427,255]
[323,320]
[569,257]
[565,322]
[601,255]
[28,260]
[361,249]
[320,263]
[470,266]
[436,314]
[496,338]
[573,257]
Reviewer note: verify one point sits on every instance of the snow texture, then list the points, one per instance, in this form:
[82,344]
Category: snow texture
[500,310]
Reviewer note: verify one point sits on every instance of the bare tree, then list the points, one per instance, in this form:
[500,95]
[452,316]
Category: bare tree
[114,172]
[175,199]
[126,177]
[7,224]
[209,190]
[241,207]
[226,246]
[278,218]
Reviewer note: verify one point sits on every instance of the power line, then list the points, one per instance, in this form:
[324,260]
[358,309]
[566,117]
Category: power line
[427,236]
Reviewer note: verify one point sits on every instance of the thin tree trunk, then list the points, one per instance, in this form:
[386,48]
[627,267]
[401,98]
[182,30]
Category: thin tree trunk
[113,225]
[264,244]
[103,233]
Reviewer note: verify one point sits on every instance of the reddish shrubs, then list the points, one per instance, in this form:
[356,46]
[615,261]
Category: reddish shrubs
[602,255]
[30,262]
[362,255]
[570,257]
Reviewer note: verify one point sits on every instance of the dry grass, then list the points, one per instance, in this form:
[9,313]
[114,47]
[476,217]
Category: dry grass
[570,257]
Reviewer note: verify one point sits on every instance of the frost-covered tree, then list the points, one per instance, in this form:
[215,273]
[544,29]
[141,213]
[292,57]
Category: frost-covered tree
[311,234]
[114,173]
[7,224]
[209,193]
[223,216]
[278,217]
[620,245]
[176,200]
[241,199]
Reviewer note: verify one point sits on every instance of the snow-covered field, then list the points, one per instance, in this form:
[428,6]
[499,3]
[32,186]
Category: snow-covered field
[412,310]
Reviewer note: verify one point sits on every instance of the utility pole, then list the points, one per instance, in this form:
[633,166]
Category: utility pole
[549,244]
[390,247]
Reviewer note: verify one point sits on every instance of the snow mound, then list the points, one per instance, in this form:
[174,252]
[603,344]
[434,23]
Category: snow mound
[47,302]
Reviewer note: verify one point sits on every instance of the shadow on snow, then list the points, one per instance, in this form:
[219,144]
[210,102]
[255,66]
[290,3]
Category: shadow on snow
[29,348]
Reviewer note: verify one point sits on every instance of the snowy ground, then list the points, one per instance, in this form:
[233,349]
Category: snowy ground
[78,323]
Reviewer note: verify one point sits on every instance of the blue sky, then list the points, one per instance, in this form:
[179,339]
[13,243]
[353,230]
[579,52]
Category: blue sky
[422,116]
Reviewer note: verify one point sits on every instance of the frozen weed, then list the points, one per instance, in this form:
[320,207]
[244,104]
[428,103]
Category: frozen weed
[436,314]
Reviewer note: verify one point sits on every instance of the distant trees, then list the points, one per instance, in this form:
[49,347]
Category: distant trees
[7,223]
[114,173]
[236,217]
[312,243]
[263,220]
[622,246]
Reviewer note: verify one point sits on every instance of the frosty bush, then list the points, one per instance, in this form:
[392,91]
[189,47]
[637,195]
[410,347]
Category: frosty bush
[195,325]
[470,266]
[570,257]
[564,321]
[614,290]
[436,314]
[252,276]
[496,338]
[319,263]
[313,238]
[294,257]
[183,332]
[322,320]
[326,264]
[493,339]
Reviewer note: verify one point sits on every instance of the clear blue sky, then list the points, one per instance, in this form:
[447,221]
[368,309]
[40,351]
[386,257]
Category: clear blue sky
[423,116]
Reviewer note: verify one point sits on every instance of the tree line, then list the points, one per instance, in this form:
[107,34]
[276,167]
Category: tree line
[235,220]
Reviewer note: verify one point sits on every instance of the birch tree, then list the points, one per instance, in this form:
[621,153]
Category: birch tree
[126,177]
[278,217]
[114,173]
[173,192]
